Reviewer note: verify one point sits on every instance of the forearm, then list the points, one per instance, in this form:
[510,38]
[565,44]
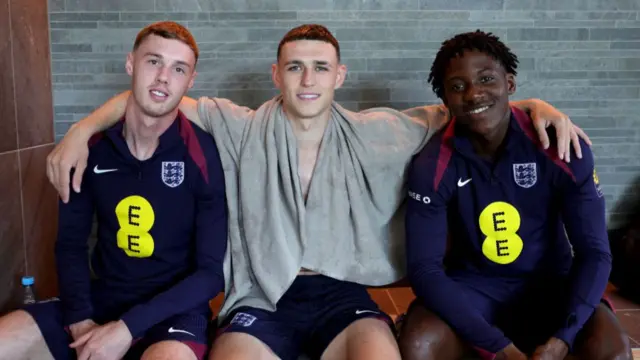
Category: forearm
[433,116]
[105,116]
[74,277]
[193,291]
[584,217]
[526,105]
[446,299]
[75,220]
[189,107]
[588,282]
[426,235]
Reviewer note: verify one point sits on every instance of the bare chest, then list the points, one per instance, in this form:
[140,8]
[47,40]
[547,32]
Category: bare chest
[307,159]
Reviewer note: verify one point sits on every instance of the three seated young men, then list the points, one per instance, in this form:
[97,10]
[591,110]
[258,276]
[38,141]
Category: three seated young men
[485,178]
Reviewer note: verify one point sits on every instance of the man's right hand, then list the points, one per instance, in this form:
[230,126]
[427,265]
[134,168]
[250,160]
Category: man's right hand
[71,152]
[511,352]
[80,328]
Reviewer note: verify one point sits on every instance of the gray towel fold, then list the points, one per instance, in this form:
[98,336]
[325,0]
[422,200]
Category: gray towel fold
[352,225]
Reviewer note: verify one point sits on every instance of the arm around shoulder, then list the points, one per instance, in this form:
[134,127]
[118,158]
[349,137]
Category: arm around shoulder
[72,151]
[433,117]
[226,121]
[544,115]
[189,107]
[106,115]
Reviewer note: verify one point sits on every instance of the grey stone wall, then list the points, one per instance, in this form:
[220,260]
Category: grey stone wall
[581,55]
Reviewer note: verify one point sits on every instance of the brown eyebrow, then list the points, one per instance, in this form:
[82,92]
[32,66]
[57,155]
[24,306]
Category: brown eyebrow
[316,62]
[180,62]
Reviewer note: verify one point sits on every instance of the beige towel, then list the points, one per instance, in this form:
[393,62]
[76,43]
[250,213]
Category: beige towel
[351,227]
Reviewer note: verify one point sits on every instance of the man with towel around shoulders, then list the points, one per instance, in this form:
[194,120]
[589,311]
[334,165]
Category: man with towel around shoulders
[315,196]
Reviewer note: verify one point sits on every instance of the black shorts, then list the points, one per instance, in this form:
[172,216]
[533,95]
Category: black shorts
[313,311]
[190,329]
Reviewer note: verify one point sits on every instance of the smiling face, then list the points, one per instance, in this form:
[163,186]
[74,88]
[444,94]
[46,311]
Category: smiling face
[476,90]
[307,74]
[162,71]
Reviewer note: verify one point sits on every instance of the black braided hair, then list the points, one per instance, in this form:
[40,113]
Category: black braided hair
[477,40]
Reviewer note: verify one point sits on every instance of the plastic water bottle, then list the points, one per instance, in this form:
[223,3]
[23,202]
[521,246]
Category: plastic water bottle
[29,294]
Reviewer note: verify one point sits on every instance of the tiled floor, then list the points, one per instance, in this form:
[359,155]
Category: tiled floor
[628,313]
[395,301]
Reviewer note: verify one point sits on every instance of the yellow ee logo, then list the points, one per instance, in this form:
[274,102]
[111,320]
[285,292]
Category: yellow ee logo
[499,222]
[135,216]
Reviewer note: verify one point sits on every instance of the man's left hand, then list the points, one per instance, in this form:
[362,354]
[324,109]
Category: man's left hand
[554,349]
[110,341]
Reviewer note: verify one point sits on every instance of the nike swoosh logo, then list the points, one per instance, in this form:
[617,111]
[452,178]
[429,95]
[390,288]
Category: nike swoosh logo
[102,171]
[358,312]
[172,330]
[463,183]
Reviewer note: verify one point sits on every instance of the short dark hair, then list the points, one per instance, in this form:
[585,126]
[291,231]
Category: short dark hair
[477,40]
[168,30]
[310,32]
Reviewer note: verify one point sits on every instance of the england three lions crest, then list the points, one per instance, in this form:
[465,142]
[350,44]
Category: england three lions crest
[525,175]
[172,173]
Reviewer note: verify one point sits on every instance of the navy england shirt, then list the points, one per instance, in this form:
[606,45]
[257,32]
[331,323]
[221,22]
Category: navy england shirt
[528,215]
[162,230]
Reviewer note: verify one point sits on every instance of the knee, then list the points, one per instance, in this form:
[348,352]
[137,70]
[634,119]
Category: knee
[17,318]
[21,338]
[605,339]
[614,346]
[420,340]
[17,321]
[416,345]
[367,338]
[240,346]
[166,350]
[620,349]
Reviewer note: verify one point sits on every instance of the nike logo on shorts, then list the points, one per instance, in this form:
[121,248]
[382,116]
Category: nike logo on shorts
[358,312]
[172,330]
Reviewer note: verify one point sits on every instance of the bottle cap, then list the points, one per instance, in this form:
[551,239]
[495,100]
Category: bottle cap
[27,280]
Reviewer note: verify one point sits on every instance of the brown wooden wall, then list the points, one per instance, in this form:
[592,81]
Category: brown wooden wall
[28,204]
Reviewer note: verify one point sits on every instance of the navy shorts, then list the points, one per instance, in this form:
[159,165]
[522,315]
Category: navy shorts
[531,318]
[190,329]
[313,311]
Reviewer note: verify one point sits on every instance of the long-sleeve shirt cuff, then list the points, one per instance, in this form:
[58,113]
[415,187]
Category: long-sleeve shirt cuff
[490,354]
[135,323]
[573,323]
[71,317]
